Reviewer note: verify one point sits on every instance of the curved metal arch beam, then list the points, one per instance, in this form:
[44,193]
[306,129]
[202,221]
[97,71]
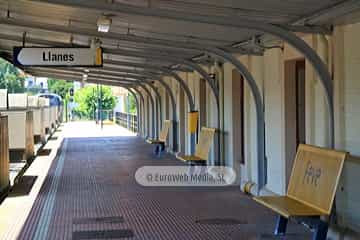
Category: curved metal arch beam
[182,83]
[190,64]
[146,114]
[153,112]
[167,71]
[185,87]
[278,31]
[173,104]
[174,117]
[111,78]
[192,108]
[203,74]
[134,75]
[158,106]
[157,101]
[241,23]
[133,85]
[143,78]
[236,22]
[240,67]
[259,108]
[142,107]
[137,82]
[275,30]
[179,80]
[139,128]
[71,78]
[215,92]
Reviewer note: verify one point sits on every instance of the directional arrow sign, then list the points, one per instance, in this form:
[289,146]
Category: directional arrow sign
[57,57]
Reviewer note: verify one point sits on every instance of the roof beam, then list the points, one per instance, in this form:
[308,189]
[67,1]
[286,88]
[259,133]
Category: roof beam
[104,77]
[330,14]
[170,14]
[101,71]
[90,80]
[26,40]
[90,74]
[114,36]
[279,31]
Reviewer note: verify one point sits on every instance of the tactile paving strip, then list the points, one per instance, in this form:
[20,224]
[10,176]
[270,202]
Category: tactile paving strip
[105,234]
[90,220]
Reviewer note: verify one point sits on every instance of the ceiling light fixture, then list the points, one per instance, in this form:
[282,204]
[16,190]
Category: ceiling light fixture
[103,24]
[85,76]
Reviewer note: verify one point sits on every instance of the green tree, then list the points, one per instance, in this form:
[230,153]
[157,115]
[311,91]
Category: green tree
[87,100]
[132,104]
[11,77]
[60,87]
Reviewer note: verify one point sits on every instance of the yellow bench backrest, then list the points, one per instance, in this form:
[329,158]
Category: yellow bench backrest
[206,139]
[315,176]
[165,130]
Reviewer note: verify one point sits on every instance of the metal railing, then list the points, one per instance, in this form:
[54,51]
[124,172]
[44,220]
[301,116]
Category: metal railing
[127,120]
[105,115]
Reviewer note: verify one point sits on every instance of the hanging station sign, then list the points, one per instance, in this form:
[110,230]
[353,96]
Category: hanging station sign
[57,57]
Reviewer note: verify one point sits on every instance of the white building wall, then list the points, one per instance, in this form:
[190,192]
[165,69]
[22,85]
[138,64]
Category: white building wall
[274,120]
[228,121]
[256,67]
[347,99]
[268,71]
[120,104]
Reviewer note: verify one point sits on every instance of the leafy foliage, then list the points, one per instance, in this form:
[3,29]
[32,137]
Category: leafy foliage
[60,87]
[132,104]
[87,100]
[11,77]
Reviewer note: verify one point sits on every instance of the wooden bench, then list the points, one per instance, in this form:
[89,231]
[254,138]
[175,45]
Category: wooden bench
[202,149]
[311,191]
[161,141]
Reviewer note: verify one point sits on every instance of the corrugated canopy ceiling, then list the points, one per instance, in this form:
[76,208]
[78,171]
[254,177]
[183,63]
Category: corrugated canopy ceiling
[283,12]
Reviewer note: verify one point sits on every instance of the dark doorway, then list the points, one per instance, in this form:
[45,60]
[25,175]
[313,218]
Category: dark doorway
[202,103]
[300,102]
[238,117]
[294,110]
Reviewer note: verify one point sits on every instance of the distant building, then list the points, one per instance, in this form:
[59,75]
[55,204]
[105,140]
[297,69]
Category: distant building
[120,94]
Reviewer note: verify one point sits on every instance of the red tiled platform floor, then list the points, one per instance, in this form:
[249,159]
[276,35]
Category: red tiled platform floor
[93,178]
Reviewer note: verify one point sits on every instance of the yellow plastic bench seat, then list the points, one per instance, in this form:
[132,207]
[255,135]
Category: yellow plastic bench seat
[311,191]
[190,158]
[154,141]
[163,134]
[288,207]
[203,147]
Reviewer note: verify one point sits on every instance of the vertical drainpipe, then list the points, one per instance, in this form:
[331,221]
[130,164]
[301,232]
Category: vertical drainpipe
[322,38]
[220,73]
[187,92]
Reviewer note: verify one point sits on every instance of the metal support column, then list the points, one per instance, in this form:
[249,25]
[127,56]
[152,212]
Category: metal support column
[138,113]
[153,112]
